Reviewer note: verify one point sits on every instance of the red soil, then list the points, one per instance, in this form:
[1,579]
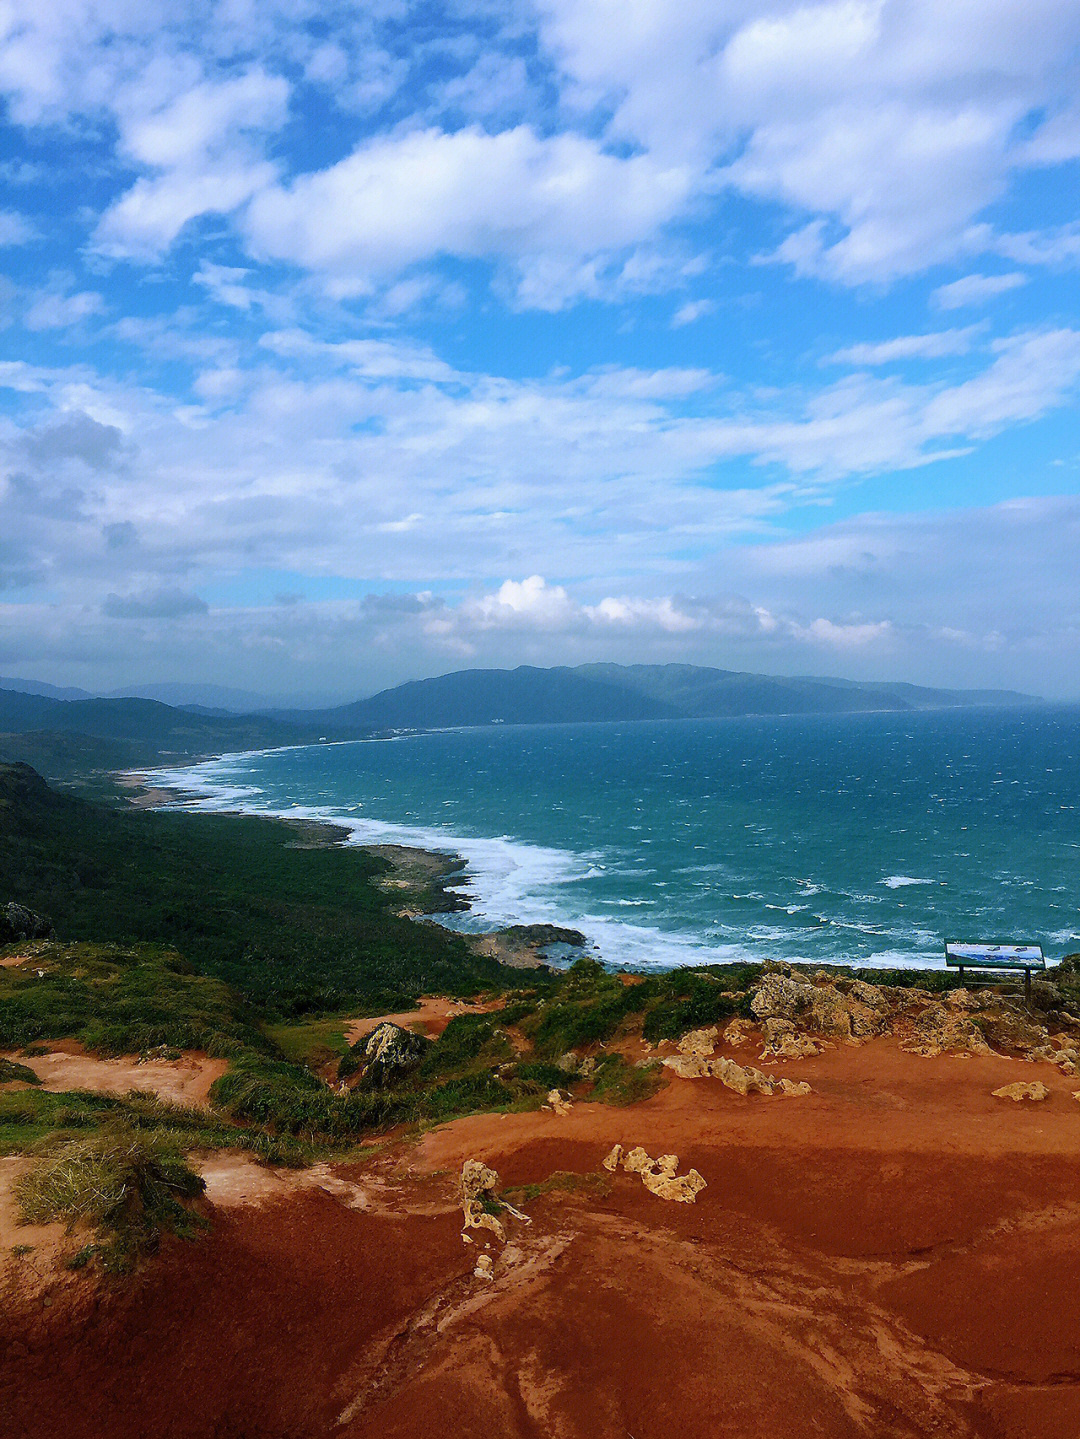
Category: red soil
[893,1255]
[186,1080]
[430,1017]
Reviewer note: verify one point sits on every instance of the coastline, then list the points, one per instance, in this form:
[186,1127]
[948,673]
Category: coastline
[427,882]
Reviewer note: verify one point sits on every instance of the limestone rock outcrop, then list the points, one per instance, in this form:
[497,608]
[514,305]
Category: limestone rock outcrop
[738,1033]
[659,1176]
[558,1101]
[743,1079]
[847,1009]
[390,1052]
[699,1041]
[945,1029]
[1018,1091]
[17,924]
[480,1203]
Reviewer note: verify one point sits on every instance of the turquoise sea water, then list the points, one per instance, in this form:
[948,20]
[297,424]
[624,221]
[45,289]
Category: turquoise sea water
[862,839]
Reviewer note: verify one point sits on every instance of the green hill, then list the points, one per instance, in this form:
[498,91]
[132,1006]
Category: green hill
[529,695]
[159,730]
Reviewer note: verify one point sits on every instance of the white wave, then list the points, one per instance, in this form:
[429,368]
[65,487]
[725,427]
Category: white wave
[901,881]
[508,881]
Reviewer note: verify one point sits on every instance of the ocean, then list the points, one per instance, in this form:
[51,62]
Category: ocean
[859,839]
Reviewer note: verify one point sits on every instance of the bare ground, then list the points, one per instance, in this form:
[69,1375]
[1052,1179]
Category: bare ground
[894,1255]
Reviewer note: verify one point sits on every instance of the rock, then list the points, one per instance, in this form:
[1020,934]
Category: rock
[587,1067]
[637,1161]
[699,1041]
[944,1030]
[779,996]
[391,1052]
[478,1198]
[687,1066]
[17,923]
[744,1079]
[610,1161]
[485,1267]
[660,1178]
[783,1041]
[567,1062]
[1006,1026]
[682,1189]
[738,1033]
[1018,1091]
[850,1009]
[962,999]
[557,1101]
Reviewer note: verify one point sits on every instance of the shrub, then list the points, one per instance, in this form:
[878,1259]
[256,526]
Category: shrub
[10,1071]
[130,1187]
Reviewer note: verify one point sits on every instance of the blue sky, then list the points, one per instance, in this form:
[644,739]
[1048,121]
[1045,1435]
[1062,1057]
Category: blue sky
[346,344]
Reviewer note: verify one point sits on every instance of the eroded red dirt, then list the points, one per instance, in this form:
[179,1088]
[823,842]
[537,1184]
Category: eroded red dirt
[893,1255]
[67,1066]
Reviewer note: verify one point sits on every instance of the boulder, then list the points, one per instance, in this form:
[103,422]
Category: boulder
[17,924]
[1018,1091]
[699,1041]
[480,1204]
[738,1033]
[485,1267]
[390,1053]
[687,1066]
[659,1175]
[783,1041]
[850,1009]
[610,1160]
[942,1029]
[557,1101]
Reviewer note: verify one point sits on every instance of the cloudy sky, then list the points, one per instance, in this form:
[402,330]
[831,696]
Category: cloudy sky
[345,343]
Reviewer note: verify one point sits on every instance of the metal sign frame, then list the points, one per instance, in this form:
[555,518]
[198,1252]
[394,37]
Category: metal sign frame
[989,960]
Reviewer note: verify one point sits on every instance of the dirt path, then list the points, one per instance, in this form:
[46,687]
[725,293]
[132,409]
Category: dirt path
[430,1017]
[186,1080]
[895,1256]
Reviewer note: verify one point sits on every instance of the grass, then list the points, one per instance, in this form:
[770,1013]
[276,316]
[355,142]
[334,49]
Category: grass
[562,1181]
[119,1000]
[129,1187]
[619,1083]
[298,932]
[10,1071]
[312,1042]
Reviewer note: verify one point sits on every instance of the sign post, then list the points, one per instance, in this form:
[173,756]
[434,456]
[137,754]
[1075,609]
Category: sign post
[996,956]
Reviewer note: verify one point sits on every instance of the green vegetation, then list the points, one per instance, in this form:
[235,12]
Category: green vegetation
[129,1186]
[297,931]
[10,1071]
[562,1181]
[118,1000]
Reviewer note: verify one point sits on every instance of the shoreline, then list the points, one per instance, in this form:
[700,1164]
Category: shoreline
[427,881]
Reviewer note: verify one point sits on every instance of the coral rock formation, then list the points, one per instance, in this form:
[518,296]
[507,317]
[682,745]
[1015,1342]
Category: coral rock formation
[658,1175]
[1018,1091]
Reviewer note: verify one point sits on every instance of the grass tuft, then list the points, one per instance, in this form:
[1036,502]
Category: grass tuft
[130,1187]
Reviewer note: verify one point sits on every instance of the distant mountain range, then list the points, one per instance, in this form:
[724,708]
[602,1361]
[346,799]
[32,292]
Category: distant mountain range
[528,695]
[70,731]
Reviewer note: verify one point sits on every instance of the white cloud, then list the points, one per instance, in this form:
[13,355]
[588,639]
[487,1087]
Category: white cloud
[14,228]
[975,290]
[691,312]
[515,195]
[56,311]
[907,347]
